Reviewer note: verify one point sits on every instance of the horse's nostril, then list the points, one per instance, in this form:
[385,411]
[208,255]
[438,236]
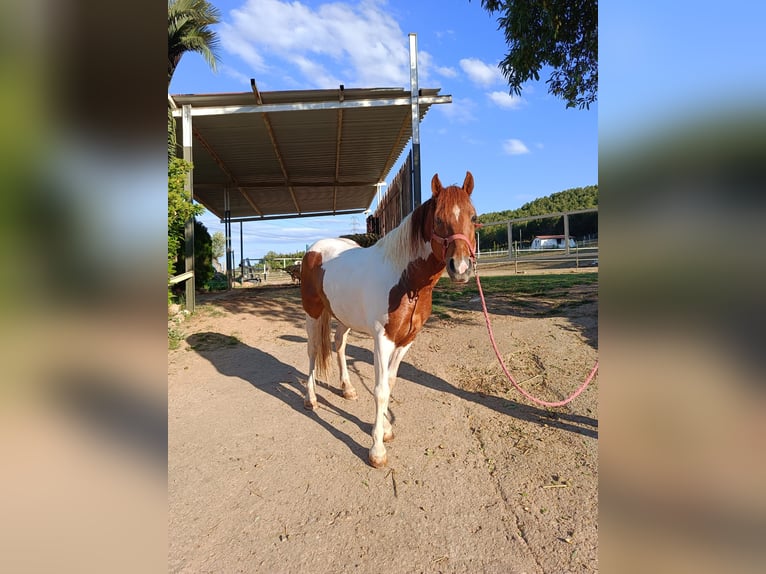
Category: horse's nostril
[452,265]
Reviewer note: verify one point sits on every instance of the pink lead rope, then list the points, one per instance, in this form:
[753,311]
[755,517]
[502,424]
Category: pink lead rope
[445,242]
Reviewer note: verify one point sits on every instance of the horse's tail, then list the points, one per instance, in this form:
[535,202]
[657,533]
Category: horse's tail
[321,345]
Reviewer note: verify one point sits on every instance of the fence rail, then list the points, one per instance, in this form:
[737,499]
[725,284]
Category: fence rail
[540,258]
[182,277]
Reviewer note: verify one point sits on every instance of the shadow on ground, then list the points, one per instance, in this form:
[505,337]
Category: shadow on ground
[579,424]
[233,358]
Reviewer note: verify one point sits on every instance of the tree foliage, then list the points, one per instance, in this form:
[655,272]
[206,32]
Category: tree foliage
[562,34]
[568,200]
[274,260]
[189,30]
[180,208]
[203,255]
[219,244]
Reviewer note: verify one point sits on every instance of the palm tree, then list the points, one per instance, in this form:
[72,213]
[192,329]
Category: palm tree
[189,30]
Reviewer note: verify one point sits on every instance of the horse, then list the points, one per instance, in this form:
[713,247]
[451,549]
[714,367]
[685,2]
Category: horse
[384,291]
[294,271]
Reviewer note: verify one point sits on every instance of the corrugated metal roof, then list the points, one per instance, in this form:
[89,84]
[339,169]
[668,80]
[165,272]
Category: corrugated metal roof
[297,153]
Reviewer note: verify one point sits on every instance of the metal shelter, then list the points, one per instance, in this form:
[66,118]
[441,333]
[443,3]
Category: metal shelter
[283,154]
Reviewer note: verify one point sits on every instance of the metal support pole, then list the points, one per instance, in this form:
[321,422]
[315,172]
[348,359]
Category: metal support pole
[186,119]
[566,232]
[241,254]
[227,231]
[415,106]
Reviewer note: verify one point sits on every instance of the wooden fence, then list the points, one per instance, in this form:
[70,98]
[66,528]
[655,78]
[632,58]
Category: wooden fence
[396,204]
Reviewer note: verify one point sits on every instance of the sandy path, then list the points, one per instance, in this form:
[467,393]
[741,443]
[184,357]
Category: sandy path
[476,481]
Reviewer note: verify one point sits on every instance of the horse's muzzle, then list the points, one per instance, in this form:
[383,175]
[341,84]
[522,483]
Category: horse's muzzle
[460,269]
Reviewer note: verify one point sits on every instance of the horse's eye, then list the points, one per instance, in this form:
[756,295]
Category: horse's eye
[439,221]
[473,219]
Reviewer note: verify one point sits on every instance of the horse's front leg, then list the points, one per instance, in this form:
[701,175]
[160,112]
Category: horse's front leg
[382,357]
[393,369]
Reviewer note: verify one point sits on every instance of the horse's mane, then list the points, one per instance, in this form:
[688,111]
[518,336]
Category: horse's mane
[407,241]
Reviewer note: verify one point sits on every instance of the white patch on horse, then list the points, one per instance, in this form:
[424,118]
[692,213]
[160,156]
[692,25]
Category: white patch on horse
[456,211]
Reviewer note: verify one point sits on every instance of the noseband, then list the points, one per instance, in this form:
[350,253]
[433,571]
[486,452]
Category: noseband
[445,241]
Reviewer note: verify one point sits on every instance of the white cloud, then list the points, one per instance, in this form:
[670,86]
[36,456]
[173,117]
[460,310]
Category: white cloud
[359,44]
[236,74]
[481,73]
[459,111]
[445,71]
[515,147]
[505,100]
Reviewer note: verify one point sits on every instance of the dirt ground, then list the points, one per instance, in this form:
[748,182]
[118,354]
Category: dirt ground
[478,480]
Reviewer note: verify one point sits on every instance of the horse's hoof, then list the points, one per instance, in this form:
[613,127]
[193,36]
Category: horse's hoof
[350,394]
[309,405]
[388,436]
[378,461]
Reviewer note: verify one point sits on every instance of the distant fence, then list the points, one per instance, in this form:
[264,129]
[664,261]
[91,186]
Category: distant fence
[520,253]
[523,260]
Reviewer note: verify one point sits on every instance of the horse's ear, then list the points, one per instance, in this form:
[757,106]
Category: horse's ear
[436,185]
[468,183]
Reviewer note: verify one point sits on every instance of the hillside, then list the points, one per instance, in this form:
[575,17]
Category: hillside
[567,200]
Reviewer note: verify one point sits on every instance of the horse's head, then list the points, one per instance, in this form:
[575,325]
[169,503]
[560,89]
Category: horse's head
[454,218]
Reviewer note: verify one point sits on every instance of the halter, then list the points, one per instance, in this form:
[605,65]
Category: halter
[445,241]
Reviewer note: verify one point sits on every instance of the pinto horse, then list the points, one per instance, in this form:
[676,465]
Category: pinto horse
[384,291]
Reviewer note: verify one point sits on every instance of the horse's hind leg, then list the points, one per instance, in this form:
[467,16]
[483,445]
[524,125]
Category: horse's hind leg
[312,329]
[341,334]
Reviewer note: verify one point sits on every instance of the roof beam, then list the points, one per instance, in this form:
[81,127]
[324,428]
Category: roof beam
[216,158]
[275,145]
[249,200]
[307,106]
[273,184]
[295,216]
[224,168]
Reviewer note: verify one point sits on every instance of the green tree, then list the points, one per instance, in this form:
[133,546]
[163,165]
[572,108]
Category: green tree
[189,30]
[180,208]
[219,245]
[560,33]
[203,255]
[189,23]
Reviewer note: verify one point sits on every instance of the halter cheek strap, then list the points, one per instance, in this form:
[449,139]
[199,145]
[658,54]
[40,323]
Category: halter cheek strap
[445,241]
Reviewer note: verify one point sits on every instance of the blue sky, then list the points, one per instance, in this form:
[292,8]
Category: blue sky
[518,148]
